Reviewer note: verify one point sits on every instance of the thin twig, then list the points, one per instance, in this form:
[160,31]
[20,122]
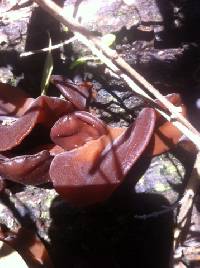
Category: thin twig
[124,66]
[186,203]
[122,69]
[157,214]
[47,49]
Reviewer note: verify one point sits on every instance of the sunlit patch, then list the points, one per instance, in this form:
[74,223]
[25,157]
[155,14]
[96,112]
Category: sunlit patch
[7,121]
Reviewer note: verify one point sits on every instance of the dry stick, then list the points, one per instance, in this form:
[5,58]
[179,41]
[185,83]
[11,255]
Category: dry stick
[135,75]
[188,130]
[46,49]
[119,66]
[187,201]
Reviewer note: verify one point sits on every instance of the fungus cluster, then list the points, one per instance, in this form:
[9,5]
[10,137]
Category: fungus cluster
[53,139]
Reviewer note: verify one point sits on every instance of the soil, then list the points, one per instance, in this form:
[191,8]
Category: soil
[134,228]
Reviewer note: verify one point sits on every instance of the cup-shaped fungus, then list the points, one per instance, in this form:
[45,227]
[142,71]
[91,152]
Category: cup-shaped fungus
[90,159]
[75,129]
[43,110]
[26,169]
[90,173]
[20,116]
[77,94]
[13,101]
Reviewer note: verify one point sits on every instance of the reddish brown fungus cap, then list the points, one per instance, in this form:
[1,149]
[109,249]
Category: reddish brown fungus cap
[90,173]
[26,169]
[74,130]
[13,101]
[77,94]
[14,131]
[43,110]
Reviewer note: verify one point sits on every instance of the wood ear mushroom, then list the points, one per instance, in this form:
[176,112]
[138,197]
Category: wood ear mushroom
[78,95]
[85,159]
[90,173]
